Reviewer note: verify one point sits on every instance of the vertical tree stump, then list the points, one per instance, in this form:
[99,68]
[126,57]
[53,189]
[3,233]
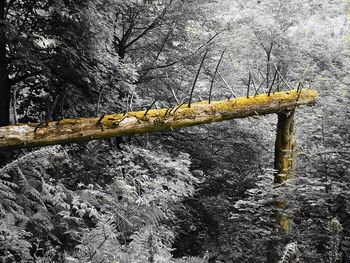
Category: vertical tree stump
[284,161]
[284,147]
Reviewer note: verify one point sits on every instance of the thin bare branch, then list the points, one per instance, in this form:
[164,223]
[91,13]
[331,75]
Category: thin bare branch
[171,88]
[100,120]
[248,85]
[184,57]
[14,103]
[301,81]
[174,95]
[152,25]
[263,82]
[226,84]
[260,42]
[254,85]
[279,73]
[131,99]
[160,51]
[273,82]
[260,87]
[150,107]
[99,100]
[216,70]
[195,80]
[178,107]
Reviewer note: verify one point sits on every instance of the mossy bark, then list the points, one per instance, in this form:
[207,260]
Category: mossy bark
[284,162]
[284,147]
[114,125]
[281,217]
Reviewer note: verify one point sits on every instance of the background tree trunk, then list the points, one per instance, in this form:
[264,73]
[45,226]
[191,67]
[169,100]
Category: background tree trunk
[5,87]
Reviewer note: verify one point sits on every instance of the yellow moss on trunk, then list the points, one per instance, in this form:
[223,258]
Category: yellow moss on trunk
[113,125]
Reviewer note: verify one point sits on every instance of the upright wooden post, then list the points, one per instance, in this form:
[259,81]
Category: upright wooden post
[284,161]
[284,146]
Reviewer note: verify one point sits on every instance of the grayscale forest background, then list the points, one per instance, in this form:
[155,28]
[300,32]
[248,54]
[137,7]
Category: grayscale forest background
[201,194]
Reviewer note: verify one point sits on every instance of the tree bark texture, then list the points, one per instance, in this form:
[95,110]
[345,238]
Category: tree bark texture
[5,87]
[284,162]
[155,120]
[284,146]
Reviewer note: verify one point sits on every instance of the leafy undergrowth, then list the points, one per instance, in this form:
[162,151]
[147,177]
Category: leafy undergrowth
[44,220]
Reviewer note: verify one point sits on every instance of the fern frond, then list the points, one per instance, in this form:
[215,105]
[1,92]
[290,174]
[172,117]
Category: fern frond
[12,237]
[55,153]
[8,183]
[291,254]
[7,194]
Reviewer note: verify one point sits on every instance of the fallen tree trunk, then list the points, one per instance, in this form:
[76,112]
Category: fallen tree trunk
[84,129]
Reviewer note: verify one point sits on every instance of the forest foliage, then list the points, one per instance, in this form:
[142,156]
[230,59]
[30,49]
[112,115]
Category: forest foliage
[202,194]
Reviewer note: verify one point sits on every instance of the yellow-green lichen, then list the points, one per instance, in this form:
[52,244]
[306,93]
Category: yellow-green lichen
[183,111]
[71,130]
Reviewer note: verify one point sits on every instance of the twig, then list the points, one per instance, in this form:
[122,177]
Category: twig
[273,82]
[299,93]
[99,100]
[117,123]
[171,88]
[166,112]
[174,94]
[230,89]
[150,107]
[132,97]
[51,109]
[260,86]
[151,26]
[264,79]
[100,120]
[302,77]
[171,109]
[14,102]
[300,85]
[126,105]
[160,51]
[216,70]
[279,73]
[179,107]
[268,52]
[254,86]
[195,80]
[40,125]
[185,57]
[260,42]
[248,88]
